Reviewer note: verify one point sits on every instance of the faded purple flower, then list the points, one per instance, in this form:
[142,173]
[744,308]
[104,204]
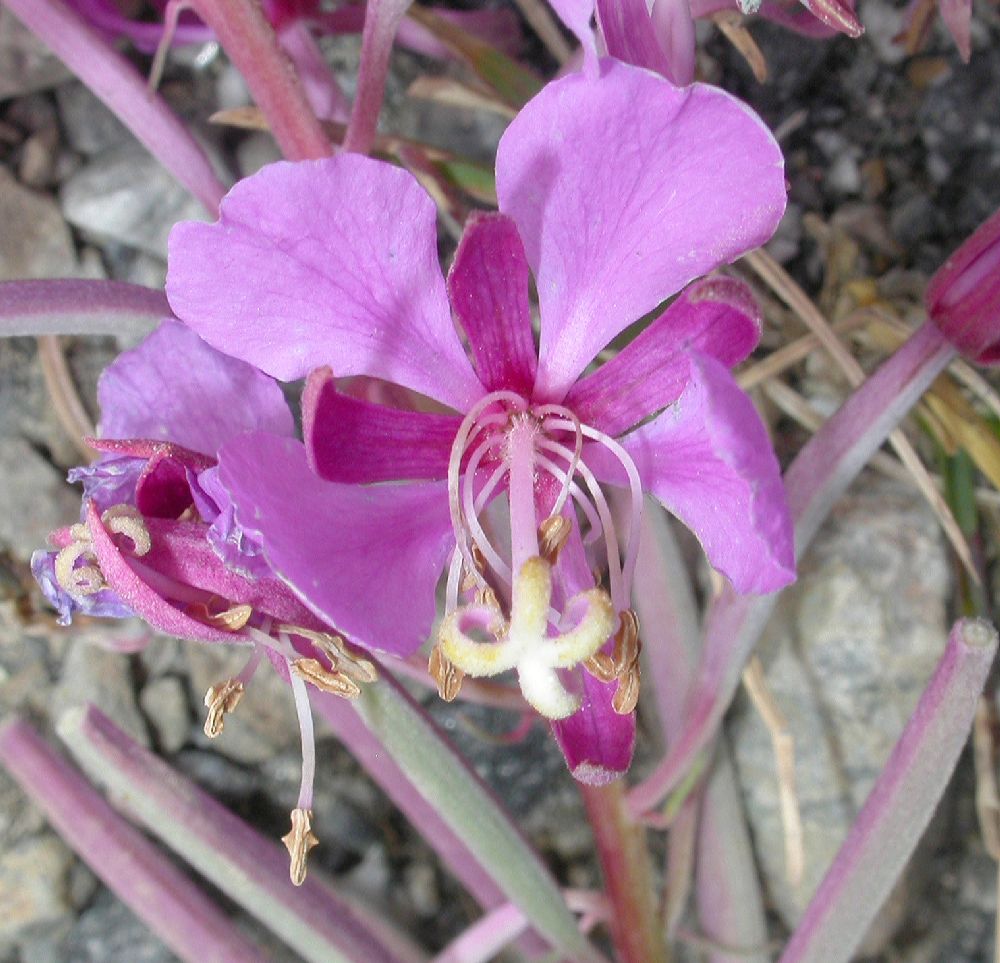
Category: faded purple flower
[615,192]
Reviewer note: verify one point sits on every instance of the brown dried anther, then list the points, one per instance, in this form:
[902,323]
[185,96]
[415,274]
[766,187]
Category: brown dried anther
[231,619]
[446,674]
[622,664]
[336,683]
[552,535]
[219,700]
[298,842]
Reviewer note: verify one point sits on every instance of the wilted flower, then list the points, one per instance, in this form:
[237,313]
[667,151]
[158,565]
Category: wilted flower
[614,193]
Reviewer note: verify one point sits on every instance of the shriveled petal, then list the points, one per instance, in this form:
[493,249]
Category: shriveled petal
[240,550]
[137,594]
[175,387]
[623,191]
[716,316]
[957,16]
[709,461]
[350,440]
[111,480]
[365,559]
[488,286]
[327,262]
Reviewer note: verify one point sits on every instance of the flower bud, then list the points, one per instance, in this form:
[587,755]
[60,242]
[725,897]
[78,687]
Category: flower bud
[963,297]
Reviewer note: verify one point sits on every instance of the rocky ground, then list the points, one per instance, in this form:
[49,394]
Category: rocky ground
[893,159]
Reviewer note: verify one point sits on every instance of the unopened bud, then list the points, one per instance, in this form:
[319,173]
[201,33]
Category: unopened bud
[963,297]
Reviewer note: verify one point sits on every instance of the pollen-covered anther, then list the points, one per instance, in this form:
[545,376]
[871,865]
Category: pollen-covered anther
[336,683]
[445,673]
[126,520]
[472,579]
[526,644]
[298,842]
[220,700]
[552,535]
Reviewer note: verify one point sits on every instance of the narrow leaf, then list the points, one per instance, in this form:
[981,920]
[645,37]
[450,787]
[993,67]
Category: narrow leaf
[472,812]
[319,924]
[68,306]
[145,879]
[900,804]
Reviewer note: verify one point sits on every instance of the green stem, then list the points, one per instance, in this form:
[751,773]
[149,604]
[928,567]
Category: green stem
[621,846]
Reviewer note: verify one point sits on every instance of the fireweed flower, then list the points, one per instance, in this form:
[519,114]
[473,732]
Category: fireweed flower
[157,536]
[615,192]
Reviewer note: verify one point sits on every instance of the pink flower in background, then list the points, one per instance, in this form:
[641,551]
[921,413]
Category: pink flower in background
[615,192]
[963,297]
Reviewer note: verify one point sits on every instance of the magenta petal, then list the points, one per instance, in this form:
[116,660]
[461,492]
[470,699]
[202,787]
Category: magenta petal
[365,559]
[488,286]
[662,41]
[614,223]
[577,14]
[596,741]
[174,387]
[957,15]
[349,440]
[327,262]
[715,316]
[709,461]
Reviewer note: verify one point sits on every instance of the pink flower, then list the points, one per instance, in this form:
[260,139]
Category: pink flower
[615,192]
[963,297]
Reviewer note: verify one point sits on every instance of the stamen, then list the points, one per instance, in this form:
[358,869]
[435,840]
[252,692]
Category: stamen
[471,425]
[298,842]
[232,619]
[552,535]
[220,700]
[306,731]
[342,657]
[481,544]
[622,664]
[445,673]
[579,497]
[171,14]
[545,410]
[336,683]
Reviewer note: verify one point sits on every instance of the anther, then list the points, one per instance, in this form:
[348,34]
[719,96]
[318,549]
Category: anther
[626,656]
[229,620]
[336,683]
[220,700]
[445,673]
[343,658]
[552,535]
[298,842]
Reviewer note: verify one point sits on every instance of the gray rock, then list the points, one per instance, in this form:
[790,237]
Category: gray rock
[264,722]
[34,498]
[165,703]
[35,242]
[26,64]
[846,658]
[90,674]
[34,878]
[109,930]
[125,195]
[89,126]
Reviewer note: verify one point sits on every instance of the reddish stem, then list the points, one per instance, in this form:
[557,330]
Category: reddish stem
[621,847]
[248,39]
